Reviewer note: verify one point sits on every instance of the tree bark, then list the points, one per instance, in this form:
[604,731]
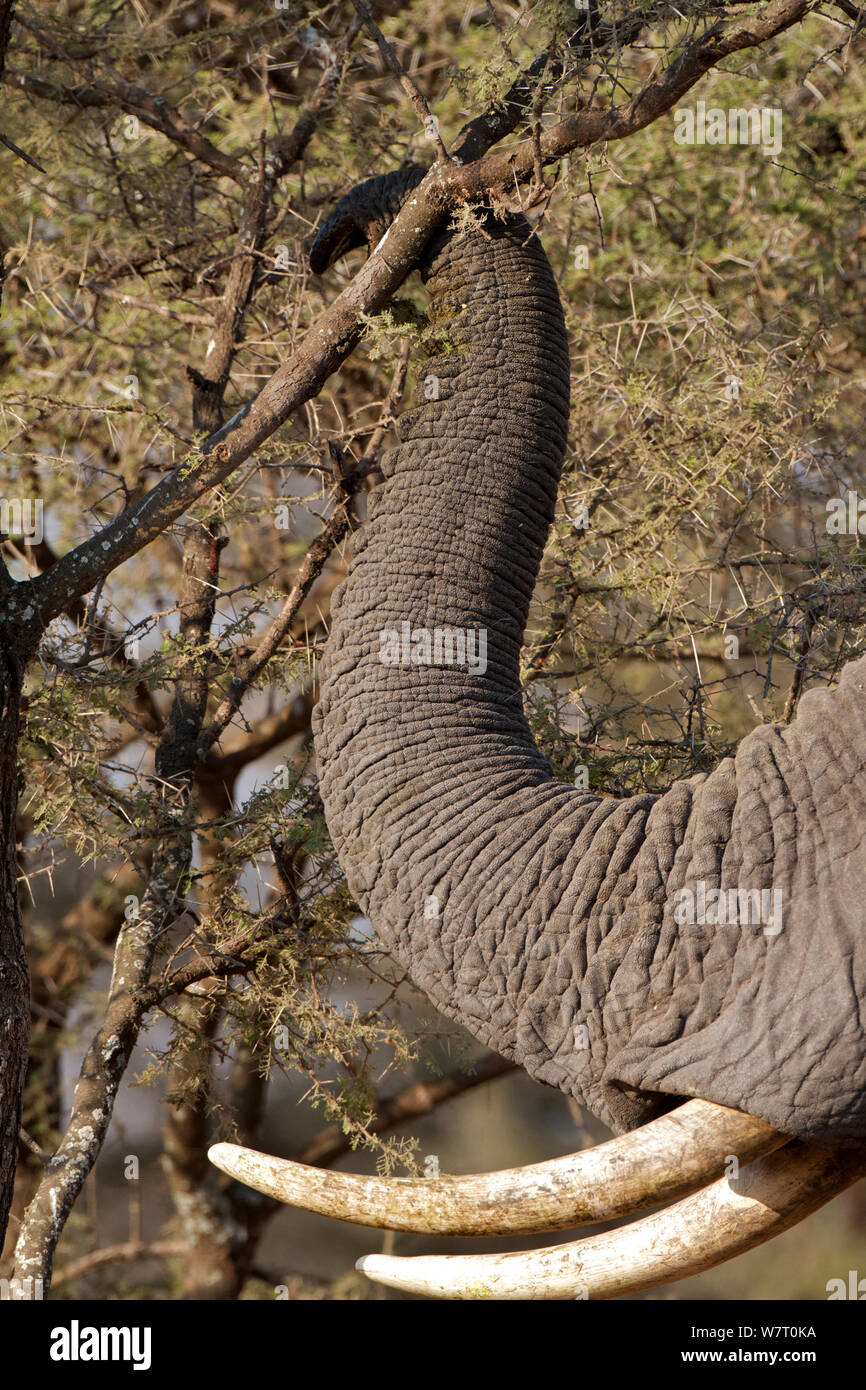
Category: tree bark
[14,975]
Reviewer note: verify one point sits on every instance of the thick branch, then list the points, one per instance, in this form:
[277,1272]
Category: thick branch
[594,124]
[502,117]
[7,8]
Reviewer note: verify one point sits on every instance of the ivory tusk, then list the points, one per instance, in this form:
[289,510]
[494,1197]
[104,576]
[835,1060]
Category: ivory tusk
[704,1230]
[659,1162]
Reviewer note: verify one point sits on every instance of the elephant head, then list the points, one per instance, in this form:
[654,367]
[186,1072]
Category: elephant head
[704,945]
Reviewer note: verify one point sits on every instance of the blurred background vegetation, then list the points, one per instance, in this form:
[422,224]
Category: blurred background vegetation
[690,590]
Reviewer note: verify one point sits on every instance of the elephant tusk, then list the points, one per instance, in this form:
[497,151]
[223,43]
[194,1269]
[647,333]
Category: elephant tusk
[659,1162]
[704,1230]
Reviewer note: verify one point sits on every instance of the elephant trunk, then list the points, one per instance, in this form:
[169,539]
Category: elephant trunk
[599,943]
[454,835]
[547,920]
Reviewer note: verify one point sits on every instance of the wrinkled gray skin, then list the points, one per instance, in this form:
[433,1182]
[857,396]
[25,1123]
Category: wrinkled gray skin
[556,906]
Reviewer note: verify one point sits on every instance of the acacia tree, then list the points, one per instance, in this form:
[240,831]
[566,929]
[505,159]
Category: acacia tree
[176,498]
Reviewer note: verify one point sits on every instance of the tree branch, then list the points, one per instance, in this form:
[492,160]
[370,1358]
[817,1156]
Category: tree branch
[289,148]
[334,335]
[7,14]
[136,101]
[108,1055]
[503,116]
[497,171]
[311,567]
[114,1254]
[392,62]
